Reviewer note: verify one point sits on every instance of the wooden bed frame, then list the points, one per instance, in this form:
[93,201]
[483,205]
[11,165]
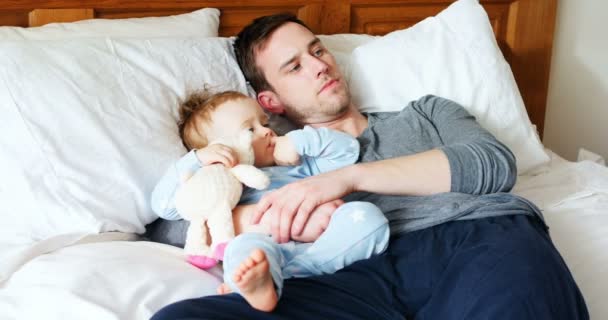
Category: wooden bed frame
[523,28]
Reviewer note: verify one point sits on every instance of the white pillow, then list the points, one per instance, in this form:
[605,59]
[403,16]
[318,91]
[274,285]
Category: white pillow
[89,126]
[453,55]
[344,43]
[203,23]
[341,47]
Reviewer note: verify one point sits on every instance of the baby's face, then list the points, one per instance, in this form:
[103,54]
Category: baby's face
[233,116]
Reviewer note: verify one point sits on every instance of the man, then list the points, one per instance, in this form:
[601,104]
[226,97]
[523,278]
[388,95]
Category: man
[461,248]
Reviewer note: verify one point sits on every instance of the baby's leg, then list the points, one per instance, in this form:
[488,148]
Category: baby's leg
[254,280]
[356,231]
[252,268]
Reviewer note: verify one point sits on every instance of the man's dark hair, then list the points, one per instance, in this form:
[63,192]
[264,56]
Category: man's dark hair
[253,38]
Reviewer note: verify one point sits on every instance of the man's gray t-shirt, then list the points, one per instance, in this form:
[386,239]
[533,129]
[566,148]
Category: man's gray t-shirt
[482,169]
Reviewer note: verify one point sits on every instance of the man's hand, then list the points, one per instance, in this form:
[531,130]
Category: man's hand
[315,226]
[217,153]
[318,221]
[290,207]
[285,153]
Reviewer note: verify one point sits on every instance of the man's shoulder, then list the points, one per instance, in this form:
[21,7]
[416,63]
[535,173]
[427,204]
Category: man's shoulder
[434,107]
[381,114]
[431,101]
[427,108]
[428,100]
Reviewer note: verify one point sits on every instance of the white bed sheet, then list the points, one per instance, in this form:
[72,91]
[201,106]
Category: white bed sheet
[573,197]
[103,280]
[106,277]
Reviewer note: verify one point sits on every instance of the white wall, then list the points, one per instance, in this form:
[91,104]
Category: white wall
[577,106]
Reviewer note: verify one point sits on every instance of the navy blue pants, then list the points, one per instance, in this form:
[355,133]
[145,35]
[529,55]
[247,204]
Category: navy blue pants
[494,268]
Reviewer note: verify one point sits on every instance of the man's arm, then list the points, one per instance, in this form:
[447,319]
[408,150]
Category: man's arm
[424,173]
[470,160]
[479,163]
[421,174]
[467,158]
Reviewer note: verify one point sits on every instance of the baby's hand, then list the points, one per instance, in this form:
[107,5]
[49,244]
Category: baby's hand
[285,153]
[217,153]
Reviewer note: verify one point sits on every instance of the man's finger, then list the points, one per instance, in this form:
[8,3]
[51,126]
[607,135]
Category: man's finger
[261,208]
[286,218]
[275,222]
[301,217]
[288,214]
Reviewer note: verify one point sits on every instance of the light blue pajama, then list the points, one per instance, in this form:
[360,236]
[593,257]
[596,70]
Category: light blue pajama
[321,150]
[356,231]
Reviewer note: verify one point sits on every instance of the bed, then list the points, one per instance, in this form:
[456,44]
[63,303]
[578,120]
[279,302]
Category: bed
[88,91]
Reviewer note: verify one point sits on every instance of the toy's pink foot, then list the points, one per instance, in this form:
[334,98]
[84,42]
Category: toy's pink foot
[219,251]
[202,262]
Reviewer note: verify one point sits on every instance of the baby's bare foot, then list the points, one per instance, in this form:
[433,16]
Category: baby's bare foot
[255,281]
[223,289]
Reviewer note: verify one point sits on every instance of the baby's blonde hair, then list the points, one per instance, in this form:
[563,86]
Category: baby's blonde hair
[195,113]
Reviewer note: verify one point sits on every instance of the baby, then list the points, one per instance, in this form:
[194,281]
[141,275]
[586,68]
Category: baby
[254,264]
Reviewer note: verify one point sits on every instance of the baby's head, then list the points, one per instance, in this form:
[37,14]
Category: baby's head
[205,117]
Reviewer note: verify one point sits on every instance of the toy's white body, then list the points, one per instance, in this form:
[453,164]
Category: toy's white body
[209,196]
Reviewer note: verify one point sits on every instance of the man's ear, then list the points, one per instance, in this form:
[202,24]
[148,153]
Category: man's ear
[271,102]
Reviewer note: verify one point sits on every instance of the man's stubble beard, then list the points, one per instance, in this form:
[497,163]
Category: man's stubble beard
[326,112]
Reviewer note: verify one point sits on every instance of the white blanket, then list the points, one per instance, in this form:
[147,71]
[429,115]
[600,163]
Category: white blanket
[574,200]
[103,280]
[106,277]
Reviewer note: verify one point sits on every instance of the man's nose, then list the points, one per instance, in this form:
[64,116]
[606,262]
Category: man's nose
[319,66]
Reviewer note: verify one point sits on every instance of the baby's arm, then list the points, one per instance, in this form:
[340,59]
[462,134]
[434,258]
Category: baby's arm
[285,153]
[163,195]
[328,149]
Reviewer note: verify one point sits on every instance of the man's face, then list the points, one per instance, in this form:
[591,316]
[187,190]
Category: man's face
[304,75]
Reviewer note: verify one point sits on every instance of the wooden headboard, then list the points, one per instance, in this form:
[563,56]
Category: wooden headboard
[523,28]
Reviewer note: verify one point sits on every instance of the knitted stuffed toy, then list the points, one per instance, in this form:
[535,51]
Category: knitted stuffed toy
[209,196]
